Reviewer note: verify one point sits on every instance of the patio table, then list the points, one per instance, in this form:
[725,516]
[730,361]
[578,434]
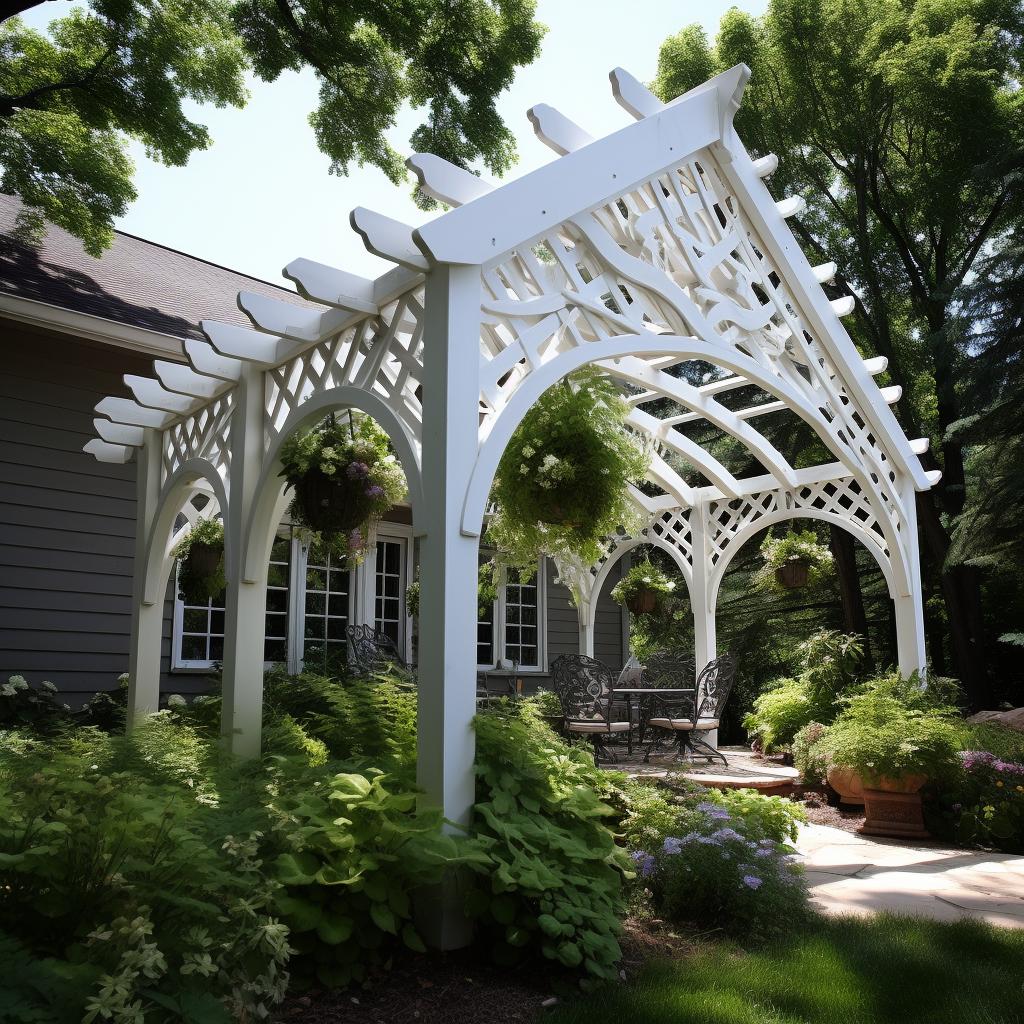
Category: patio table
[667,693]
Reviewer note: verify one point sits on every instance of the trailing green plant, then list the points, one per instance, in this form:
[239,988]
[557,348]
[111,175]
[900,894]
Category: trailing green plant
[718,875]
[813,766]
[197,583]
[29,707]
[548,871]
[346,477]
[486,590]
[561,484]
[642,578]
[792,546]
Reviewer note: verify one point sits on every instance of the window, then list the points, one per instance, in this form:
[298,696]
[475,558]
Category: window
[310,602]
[511,629]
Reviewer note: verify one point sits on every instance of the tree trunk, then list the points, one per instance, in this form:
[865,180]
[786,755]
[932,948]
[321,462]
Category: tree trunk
[961,591]
[855,619]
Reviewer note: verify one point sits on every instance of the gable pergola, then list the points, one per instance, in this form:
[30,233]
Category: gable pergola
[667,248]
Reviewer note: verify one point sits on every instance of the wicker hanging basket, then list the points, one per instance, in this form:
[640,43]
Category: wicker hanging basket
[331,505]
[203,559]
[792,574]
[643,602]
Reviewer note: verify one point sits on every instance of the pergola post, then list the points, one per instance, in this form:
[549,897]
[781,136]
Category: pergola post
[909,607]
[448,571]
[701,599]
[147,619]
[245,605]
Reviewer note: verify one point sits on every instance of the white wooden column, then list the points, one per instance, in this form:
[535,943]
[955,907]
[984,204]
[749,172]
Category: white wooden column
[910,646]
[147,619]
[448,571]
[704,630]
[246,599]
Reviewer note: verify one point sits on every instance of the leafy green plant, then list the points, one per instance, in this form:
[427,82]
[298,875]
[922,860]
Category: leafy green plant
[345,477]
[642,578]
[547,703]
[356,851]
[548,871]
[561,485]
[197,581]
[830,661]
[813,766]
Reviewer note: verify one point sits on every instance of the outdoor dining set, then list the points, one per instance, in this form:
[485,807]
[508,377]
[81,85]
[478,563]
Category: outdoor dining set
[660,701]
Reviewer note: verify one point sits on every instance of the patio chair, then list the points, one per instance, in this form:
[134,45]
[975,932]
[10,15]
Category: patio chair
[371,650]
[585,687]
[688,721]
[674,667]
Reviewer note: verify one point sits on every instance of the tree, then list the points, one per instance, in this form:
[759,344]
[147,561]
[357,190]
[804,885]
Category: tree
[122,69]
[880,112]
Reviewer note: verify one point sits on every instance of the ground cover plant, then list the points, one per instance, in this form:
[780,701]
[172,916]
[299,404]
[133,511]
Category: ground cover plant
[885,970]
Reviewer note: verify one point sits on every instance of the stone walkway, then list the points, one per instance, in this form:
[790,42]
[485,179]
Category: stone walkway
[854,874]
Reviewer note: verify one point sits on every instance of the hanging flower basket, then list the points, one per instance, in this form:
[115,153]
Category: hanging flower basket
[643,588]
[562,483]
[793,573]
[793,560]
[345,478]
[200,558]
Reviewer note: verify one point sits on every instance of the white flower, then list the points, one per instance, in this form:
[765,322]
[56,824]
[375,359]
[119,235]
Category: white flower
[18,682]
[550,461]
[327,469]
[48,686]
[528,451]
[524,469]
[8,690]
[175,700]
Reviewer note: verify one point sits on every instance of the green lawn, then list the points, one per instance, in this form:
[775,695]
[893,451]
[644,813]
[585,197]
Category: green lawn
[845,971]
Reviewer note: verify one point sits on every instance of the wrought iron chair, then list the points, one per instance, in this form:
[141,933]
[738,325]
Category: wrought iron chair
[586,688]
[702,715]
[667,667]
[371,649]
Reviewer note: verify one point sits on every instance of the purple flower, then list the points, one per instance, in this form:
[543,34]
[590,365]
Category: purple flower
[714,811]
[357,471]
[672,845]
[752,881]
[763,852]
[645,862]
[374,492]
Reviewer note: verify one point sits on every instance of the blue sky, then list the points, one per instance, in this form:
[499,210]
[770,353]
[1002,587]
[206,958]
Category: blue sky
[261,195]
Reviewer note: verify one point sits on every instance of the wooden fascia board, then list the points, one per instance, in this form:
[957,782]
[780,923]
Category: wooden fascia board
[573,185]
[92,328]
[794,268]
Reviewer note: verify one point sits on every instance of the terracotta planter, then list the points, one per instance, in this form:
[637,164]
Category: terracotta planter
[329,504]
[203,559]
[792,574]
[847,783]
[642,602]
[892,813]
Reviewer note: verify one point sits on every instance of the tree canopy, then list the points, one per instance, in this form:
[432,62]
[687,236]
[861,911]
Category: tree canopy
[898,121]
[123,68]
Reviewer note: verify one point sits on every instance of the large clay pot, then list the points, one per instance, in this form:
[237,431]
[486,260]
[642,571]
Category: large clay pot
[792,574]
[847,783]
[893,813]
[642,602]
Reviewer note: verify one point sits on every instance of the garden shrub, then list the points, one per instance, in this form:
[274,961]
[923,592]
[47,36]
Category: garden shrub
[548,871]
[355,851]
[719,875]
[35,708]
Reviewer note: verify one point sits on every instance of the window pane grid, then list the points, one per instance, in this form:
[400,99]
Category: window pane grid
[326,608]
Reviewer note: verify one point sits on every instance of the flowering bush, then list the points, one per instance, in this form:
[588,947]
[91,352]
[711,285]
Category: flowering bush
[983,804]
[24,706]
[718,875]
[642,578]
[345,478]
[561,485]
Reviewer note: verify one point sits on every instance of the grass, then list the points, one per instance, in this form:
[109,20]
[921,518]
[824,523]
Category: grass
[845,971]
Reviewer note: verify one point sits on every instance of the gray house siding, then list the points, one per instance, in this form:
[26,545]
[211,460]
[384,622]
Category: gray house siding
[67,522]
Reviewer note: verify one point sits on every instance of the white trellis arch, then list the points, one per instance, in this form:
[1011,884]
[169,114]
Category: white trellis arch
[639,252]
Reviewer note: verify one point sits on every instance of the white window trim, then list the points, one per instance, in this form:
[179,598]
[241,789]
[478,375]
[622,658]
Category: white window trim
[542,623]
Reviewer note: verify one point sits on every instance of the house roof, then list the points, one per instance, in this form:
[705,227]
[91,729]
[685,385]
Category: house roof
[135,282]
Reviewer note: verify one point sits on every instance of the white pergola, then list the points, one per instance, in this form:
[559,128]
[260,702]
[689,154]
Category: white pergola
[667,248]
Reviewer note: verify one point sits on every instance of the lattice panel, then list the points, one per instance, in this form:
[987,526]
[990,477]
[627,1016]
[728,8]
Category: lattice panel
[675,256]
[206,435]
[382,354]
[725,519]
[672,528]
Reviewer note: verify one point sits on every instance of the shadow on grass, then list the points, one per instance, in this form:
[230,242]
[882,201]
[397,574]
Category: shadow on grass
[886,970]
